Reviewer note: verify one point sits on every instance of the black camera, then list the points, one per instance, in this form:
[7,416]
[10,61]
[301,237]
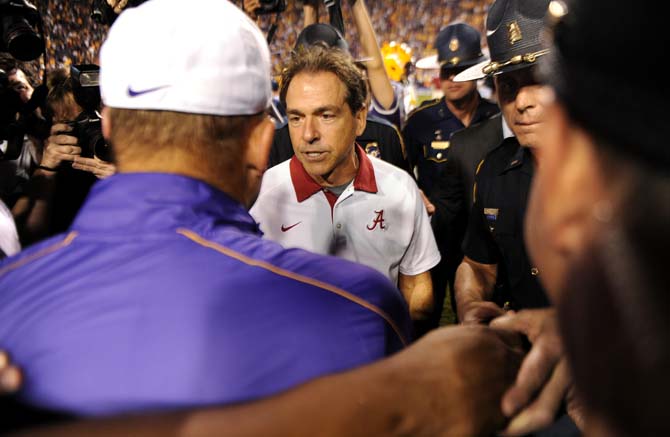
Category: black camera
[102,13]
[21,30]
[87,126]
[271,7]
[88,130]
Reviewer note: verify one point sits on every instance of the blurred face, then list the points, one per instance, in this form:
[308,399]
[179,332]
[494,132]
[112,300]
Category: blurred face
[19,83]
[455,91]
[567,194]
[323,128]
[519,99]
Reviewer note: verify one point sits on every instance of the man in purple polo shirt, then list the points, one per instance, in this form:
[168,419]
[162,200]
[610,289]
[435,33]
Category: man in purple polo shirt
[162,294]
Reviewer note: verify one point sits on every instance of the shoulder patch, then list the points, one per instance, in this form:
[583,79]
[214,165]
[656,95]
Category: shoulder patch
[425,105]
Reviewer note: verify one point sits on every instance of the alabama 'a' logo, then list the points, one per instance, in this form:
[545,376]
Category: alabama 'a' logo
[378,221]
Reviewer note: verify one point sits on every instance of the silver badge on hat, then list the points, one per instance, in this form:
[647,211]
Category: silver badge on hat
[514,32]
[453,44]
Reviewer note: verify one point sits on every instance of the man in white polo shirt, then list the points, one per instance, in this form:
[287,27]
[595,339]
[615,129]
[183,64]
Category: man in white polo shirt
[332,198]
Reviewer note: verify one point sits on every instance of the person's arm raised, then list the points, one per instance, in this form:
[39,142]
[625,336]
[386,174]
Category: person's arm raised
[380,85]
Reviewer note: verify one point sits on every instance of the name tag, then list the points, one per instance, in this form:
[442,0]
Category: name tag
[440,145]
[491,213]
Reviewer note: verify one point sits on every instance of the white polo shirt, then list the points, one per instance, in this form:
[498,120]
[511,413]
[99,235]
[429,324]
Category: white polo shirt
[379,220]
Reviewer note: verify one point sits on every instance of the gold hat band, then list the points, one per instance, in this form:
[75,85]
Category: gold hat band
[518,59]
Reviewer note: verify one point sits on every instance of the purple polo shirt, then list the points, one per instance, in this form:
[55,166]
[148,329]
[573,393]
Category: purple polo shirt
[164,295]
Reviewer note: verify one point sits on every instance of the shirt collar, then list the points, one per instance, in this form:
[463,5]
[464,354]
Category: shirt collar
[150,202]
[305,186]
[521,158]
[507,131]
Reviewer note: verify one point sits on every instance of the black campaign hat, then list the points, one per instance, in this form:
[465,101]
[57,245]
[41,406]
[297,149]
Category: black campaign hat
[606,68]
[513,33]
[459,45]
[324,34]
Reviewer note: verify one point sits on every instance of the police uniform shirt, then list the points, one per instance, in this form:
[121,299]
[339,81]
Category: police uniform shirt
[380,139]
[495,225]
[379,220]
[156,264]
[427,133]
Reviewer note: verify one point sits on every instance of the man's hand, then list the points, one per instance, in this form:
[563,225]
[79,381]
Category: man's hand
[250,7]
[455,365]
[544,378]
[101,169]
[481,312]
[430,208]
[10,375]
[118,5]
[59,147]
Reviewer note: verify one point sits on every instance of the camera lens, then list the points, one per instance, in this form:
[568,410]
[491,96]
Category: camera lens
[102,150]
[20,38]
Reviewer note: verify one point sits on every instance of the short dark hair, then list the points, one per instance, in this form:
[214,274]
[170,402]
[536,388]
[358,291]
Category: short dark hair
[315,59]
[7,63]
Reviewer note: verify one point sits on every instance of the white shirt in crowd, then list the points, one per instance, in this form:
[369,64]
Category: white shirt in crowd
[379,220]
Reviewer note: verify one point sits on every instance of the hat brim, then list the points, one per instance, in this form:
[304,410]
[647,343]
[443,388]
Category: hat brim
[476,72]
[432,63]
[428,63]
[473,73]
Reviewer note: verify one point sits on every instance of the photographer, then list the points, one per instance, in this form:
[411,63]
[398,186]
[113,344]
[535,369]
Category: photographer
[15,170]
[65,110]
[63,178]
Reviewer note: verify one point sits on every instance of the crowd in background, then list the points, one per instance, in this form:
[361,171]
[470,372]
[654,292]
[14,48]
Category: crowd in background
[414,22]
[74,38]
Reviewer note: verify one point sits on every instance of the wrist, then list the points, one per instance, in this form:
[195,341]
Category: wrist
[48,168]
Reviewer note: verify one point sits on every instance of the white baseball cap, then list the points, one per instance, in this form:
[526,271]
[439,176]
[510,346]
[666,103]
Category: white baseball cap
[196,56]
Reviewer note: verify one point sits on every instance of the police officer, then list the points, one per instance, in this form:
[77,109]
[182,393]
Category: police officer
[430,126]
[452,192]
[380,138]
[429,129]
[493,241]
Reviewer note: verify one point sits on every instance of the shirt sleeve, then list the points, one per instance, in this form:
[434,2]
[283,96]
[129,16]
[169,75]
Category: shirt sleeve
[422,253]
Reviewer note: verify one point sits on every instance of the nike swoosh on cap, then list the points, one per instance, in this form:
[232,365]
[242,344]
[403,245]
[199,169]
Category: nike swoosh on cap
[135,93]
[286,228]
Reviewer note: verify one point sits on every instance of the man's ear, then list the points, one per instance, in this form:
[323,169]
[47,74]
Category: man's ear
[106,123]
[257,150]
[361,120]
[259,143]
